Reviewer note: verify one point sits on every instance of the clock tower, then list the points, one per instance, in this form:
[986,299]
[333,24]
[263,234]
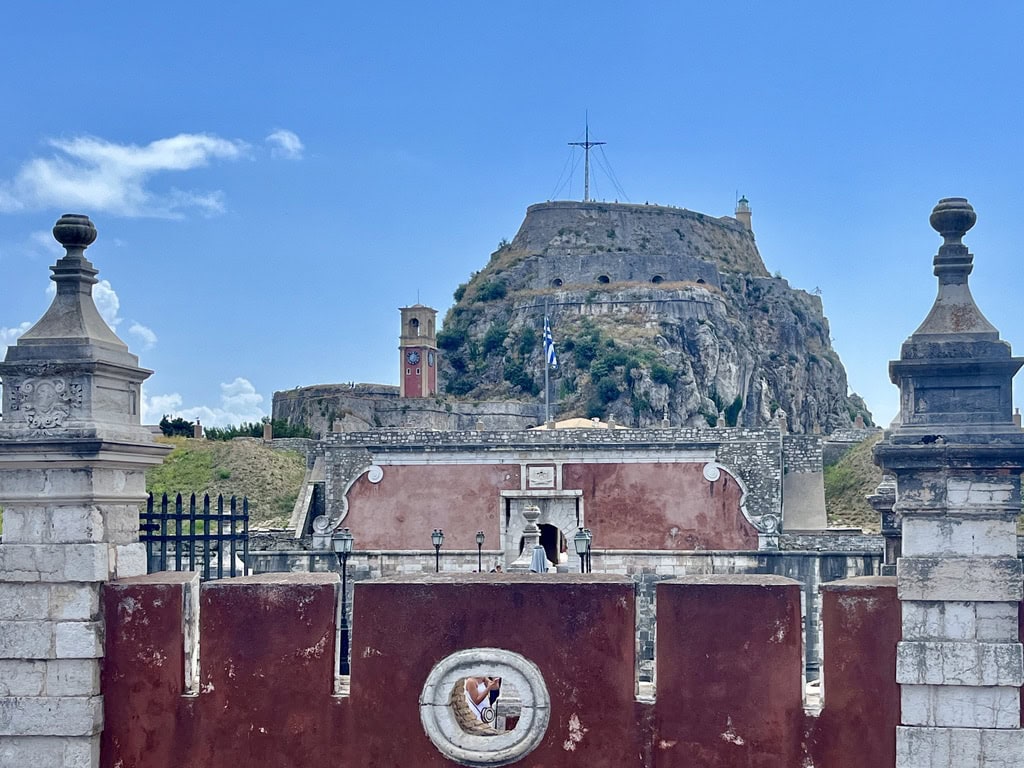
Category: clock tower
[417,348]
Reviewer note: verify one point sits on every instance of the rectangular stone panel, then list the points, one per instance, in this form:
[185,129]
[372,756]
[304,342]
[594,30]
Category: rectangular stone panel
[27,639]
[986,579]
[960,706]
[922,747]
[50,751]
[960,663]
[952,536]
[51,716]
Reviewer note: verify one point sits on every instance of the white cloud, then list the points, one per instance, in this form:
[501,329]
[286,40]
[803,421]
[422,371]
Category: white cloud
[10,335]
[239,402]
[285,144]
[89,172]
[145,335]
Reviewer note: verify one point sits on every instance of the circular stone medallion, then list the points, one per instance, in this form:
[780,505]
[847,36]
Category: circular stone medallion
[440,713]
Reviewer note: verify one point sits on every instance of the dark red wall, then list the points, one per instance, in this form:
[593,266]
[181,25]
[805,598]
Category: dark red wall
[410,501]
[862,625]
[729,673]
[579,631]
[660,506]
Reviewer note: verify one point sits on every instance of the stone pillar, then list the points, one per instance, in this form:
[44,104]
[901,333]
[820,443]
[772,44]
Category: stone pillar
[957,457]
[268,431]
[882,501]
[531,539]
[73,457]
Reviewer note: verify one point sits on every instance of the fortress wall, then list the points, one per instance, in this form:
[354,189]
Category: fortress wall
[728,690]
[569,227]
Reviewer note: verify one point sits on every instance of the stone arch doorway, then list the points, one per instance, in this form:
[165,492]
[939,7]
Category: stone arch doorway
[556,546]
[561,511]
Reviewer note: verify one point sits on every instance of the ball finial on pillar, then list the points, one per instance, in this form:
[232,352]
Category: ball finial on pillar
[74,231]
[952,217]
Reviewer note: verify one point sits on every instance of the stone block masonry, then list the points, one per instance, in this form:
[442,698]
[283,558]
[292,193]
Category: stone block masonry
[72,475]
[957,456]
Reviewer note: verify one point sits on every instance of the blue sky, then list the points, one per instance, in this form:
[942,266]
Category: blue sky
[272,182]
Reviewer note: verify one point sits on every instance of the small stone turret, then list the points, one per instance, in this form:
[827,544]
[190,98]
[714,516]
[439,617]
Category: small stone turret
[743,215]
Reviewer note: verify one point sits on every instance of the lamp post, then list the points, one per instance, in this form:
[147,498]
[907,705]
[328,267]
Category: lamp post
[581,542]
[437,537]
[480,551]
[342,542]
[590,542]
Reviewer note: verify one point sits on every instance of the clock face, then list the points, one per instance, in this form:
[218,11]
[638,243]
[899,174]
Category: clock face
[430,358]
[413,357]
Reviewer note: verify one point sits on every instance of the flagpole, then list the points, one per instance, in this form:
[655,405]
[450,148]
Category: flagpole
[547,388]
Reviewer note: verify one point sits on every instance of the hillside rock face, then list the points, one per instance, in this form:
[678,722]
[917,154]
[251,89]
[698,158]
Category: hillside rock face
[656,312]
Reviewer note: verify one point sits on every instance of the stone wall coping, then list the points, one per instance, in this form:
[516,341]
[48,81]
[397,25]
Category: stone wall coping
[172,578]
[589,438]
[298,578]
[460,579]
[859,584]
[734,579]
[596,550]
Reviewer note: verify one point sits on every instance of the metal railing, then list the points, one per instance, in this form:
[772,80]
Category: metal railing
[196,539]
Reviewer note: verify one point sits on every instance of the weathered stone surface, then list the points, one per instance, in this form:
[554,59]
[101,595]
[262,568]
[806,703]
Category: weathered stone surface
[942,620]
[960,663]
[40,751]
[990,579]
[27,639]
[22,677]
[958,748]
[79,640]
[960,706]
[936,536]
[51,715]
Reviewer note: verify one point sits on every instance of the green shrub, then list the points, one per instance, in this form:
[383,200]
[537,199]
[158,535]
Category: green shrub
[492,290]
[527,342]
[494,338]
[607,389]
[460,291]
[662,374]
[451,338]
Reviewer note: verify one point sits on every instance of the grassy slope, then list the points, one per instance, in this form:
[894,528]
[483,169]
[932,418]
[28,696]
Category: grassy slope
[847,482]
[270,479]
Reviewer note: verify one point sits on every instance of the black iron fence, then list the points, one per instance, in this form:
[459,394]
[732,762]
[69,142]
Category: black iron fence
[215,543]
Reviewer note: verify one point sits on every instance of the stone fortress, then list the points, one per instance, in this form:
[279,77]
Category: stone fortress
[104,666]
[670,498]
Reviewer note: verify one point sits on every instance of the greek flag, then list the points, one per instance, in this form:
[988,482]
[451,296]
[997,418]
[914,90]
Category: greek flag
[549,346]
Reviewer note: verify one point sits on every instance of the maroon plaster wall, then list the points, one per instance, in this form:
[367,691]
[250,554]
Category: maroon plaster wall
[660,506]
[401,510]
[862,625]
[729,673]
[578,630]
[267,646]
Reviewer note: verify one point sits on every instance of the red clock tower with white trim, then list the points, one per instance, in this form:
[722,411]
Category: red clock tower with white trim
[417,348]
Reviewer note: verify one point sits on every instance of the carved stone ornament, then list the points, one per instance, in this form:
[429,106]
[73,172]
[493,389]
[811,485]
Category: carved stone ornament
[439,719]
[46,402]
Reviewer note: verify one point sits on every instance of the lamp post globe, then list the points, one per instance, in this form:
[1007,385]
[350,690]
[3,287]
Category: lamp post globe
[342,542]
[581,542]
[437,539]
[480,551]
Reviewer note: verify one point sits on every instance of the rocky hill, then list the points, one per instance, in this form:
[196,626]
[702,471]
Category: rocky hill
[655,311]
